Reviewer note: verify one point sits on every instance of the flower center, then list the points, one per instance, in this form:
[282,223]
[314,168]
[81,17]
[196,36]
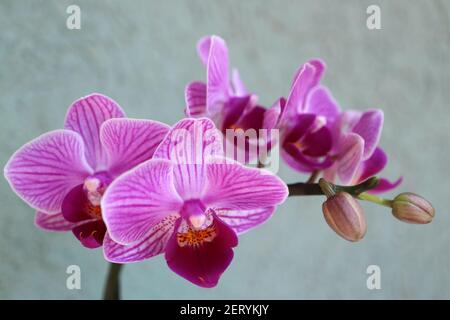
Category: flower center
[197,225]
[95,187]
[195,238]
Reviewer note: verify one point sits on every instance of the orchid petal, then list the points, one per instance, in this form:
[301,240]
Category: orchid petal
[233,186]
[204,264]
[217,85]
[234,110]
[90,234]
[189,144]
[150,245]
[369,128]
[351,152]
[53,222]
[195,98]
[305,79]
[242,221]
[44,170]
[203,48]
[385,185]
[272,115]
[373,165]
[136,201]
[129,142]
[321,103]
[86,116]
[297,160]
[317,143]
[238,84]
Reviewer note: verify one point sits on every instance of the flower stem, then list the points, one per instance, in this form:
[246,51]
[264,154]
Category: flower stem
[112,285]
[314,189]
[375,199]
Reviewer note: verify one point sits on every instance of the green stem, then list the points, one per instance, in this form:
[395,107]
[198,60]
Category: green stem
[112,285]
[314,189]
[375,199]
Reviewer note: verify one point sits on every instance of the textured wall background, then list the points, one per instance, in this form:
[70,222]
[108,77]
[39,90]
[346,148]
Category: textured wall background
[141,53]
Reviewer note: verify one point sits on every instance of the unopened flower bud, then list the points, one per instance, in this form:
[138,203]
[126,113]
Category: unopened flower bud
[412,208]
[345,216]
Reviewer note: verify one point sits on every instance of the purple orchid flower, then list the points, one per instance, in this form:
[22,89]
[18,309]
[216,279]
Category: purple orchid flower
[306,120]
[222,98]
[357,155]
[189,203]
[64,173]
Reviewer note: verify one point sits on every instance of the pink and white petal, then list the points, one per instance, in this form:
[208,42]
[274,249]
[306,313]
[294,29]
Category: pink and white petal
[203,48]
[373,165]
[86,116]
[242,221]
[231,185]
[385,185]
[321,103]
[191,141]
[53,222]
[350,157]
[150,245]
[189,144]
[217,84]
[369,128]
[238,84]
[305,79]
[136,201]
[45,169]
[195,97]
[129,142]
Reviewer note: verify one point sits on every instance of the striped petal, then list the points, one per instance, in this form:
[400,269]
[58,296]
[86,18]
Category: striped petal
[44,170]
[53,222]
[86,116]
[217,84]
[149,246]
[129,142]
[195,97]
[189,144]
[203,48]
[138,200]
[242,221]
[233,186]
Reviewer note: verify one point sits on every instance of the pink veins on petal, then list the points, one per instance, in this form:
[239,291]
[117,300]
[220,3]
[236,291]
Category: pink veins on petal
[188,205]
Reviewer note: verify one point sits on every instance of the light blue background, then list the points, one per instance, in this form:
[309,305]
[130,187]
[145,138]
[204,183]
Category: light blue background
[141,53]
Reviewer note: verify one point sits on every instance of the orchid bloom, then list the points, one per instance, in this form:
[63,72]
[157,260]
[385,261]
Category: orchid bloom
[226,101]
[306,120]
[189,203]
[357,155]
[64,173]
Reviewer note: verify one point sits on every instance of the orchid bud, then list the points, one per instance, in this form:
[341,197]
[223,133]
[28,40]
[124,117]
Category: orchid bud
[345,216]
[412,208]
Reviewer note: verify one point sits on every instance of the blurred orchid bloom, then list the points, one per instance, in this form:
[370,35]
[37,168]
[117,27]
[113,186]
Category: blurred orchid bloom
[224,98]
[189,203]
[64,173]
[357,155]
[306,120]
